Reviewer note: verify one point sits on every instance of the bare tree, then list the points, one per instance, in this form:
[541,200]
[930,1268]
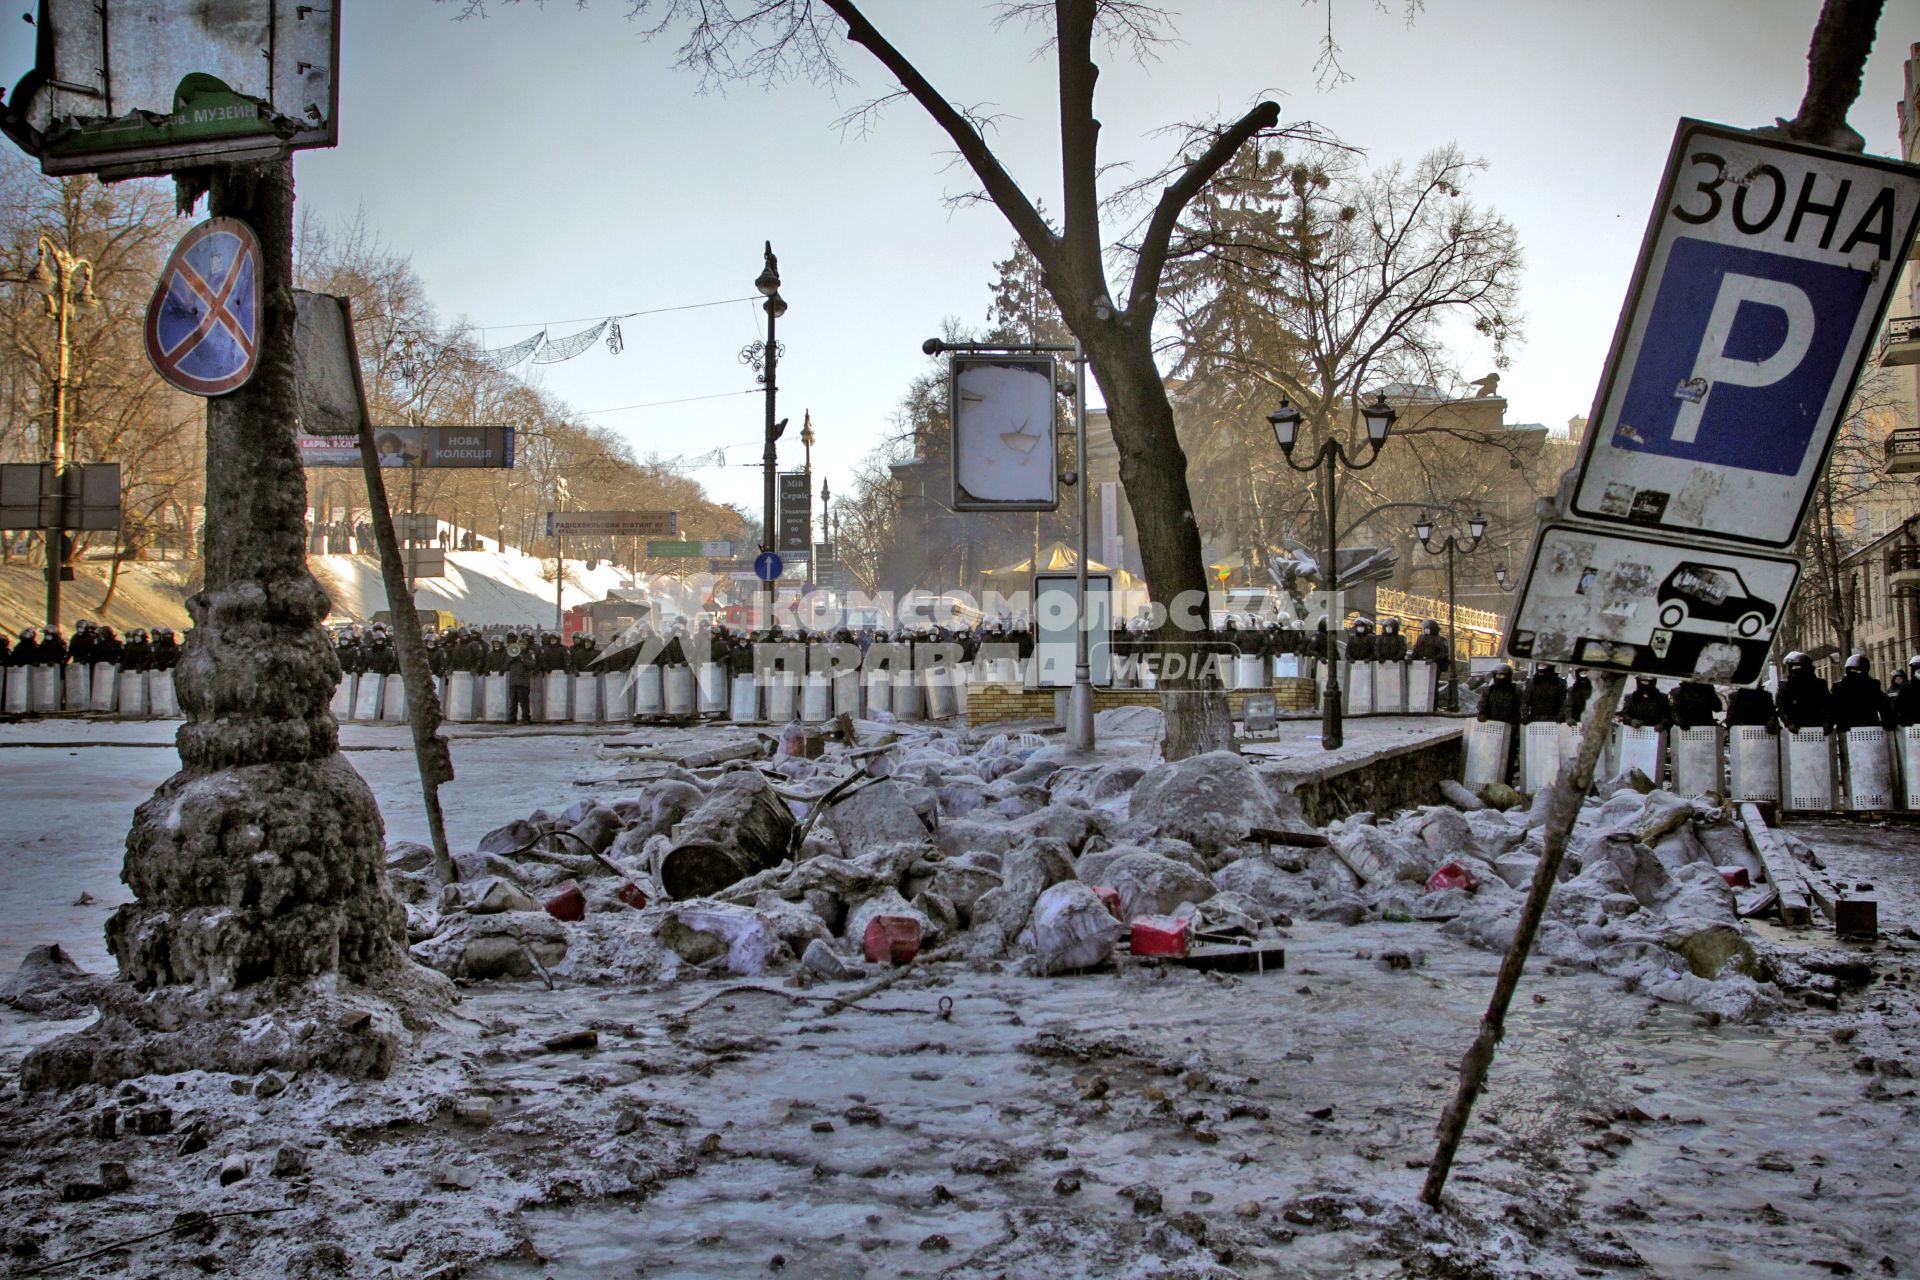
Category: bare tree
[1297,274]
[773,40]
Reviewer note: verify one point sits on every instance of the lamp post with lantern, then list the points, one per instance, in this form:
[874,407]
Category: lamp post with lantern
[66,281]
[1476,530]
[1379,418]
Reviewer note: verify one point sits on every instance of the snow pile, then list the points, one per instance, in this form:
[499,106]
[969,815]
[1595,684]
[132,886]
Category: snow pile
[481,588]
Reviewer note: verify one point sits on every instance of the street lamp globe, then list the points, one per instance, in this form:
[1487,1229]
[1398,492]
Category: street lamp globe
[768,281]
[1423,528]
[1380,418]
[776,306]
[1286,426]
[1477,527]
[1500,576]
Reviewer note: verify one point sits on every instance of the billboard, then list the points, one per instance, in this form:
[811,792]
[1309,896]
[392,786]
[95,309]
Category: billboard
[1005,411]
[796,514]
[415,447]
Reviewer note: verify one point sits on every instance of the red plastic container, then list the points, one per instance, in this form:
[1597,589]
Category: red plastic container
[1452,876]
[1160,936]
[891,940]
[632,894]
[568,904]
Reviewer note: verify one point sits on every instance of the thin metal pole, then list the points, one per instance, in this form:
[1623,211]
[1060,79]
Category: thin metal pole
[1568,793]
[56,535]
[1453,638]
[1332,737]
[1080,699]
[768,537]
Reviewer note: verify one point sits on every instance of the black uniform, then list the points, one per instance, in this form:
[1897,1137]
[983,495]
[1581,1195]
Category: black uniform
[1390,645]
[520,668]
[1860,703]
[1501,699]
[1646,707]
[1695,704]
[1805,701]
[1546,697]
[136,654]
[1360,643]
[1751,707]
[1430,647]
[1906,703]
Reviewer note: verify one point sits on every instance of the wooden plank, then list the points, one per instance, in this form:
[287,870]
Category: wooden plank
[1783,871]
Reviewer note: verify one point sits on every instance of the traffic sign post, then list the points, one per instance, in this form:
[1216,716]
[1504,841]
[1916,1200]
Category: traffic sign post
[767,566]
[1762,282]
[203,322]
[1650,605]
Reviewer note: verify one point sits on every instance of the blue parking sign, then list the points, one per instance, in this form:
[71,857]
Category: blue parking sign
[1758,295]
[1741,350]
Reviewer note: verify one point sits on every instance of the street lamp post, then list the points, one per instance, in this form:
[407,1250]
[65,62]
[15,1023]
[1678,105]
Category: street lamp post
[55,277]
[1476,530]
[1379,417]
[768,283]
[826,528]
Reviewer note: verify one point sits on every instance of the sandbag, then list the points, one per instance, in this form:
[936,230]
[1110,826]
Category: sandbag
[1072,929]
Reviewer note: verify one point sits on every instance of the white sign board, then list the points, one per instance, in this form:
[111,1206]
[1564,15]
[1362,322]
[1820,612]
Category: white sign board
[1058,617]
[1765,273]
[1645,605]
[1004,414]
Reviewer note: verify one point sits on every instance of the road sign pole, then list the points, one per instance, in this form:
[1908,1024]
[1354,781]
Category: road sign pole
[1080,700]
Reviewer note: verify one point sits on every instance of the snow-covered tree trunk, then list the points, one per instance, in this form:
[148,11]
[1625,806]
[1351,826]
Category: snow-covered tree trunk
[258,869]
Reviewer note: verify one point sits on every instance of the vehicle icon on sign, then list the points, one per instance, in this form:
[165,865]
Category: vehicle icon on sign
[1712,593]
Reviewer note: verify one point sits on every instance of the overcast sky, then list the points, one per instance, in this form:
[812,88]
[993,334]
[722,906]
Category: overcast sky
[547,166]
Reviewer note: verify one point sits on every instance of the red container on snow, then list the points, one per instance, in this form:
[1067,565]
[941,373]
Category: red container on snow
[632,894]
[1452,876]
[1111,897]
[891,940]
[1160,936]
[1736,877]
[568,904]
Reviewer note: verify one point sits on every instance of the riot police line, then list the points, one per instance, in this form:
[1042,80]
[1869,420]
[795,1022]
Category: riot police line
[1802,745]
[97,671]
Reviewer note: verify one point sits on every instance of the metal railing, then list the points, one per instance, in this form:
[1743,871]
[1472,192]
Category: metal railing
[1900,331]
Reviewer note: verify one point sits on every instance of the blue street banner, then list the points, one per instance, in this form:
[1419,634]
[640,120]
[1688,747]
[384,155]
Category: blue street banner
[203,323]
[1762,283]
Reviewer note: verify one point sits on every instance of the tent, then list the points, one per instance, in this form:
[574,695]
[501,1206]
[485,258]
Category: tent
[1055,557]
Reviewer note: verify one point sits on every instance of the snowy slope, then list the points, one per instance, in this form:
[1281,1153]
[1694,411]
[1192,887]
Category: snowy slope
[480,587]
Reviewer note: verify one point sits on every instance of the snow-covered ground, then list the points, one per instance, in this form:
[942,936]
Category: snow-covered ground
[971,1119]
[480,587]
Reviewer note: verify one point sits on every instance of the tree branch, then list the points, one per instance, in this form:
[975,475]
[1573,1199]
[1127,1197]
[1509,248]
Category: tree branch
[1166,212]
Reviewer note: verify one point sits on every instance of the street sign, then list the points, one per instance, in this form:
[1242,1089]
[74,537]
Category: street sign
[767,566]
[326,360]
[203,322]
[1005,409]
[689,550]
[132,88]
[425,562]
[1649,605]
[1762,281]
[796,513]
[415,526]
[414,447]
[613,524]
[90,496]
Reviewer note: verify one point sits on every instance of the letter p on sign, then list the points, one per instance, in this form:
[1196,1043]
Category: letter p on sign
[1742,349]
[1714,365]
